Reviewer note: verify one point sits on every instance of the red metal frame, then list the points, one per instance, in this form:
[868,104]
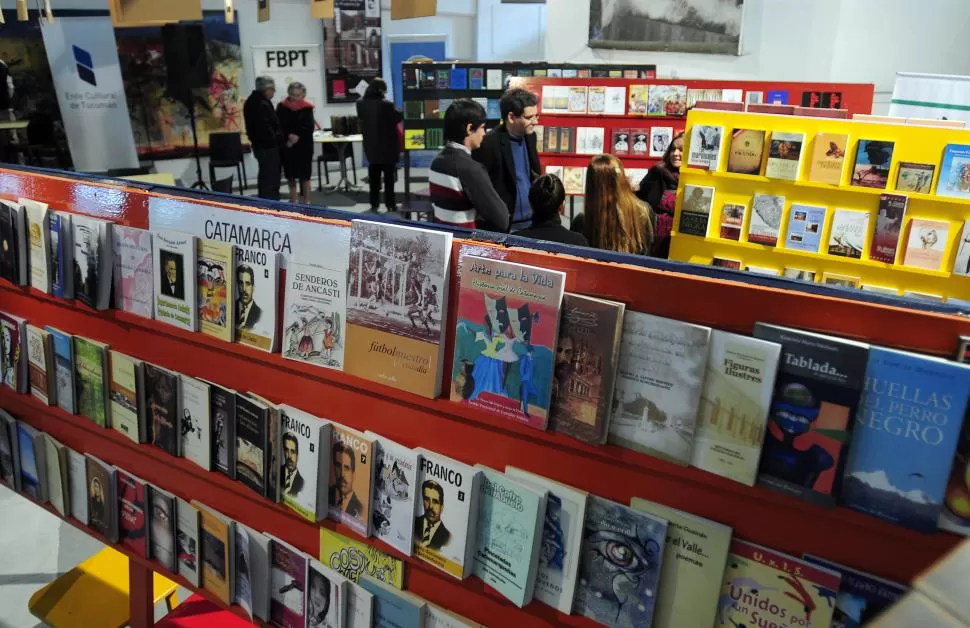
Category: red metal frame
[455,430]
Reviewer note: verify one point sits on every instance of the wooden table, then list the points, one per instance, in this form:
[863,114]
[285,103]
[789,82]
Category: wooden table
[342,143]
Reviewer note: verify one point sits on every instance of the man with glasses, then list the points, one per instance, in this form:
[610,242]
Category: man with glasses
[509,154]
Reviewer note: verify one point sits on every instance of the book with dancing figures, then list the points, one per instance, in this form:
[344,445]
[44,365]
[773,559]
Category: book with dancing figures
[315,306]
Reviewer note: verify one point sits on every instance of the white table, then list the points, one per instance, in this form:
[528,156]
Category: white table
[342,143]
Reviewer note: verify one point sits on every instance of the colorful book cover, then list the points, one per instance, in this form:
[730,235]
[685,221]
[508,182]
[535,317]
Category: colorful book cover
[620,567]
[620,142]
[955,172]
[314,323]
[872,161]
[577,102]
[889,224]
[126,394]
[898,466]
[133,270]
[667,100]
[747,149]
[353,559]
[196,427]
[444,79]
[62,250]
[732,221]
[510,520]
[693,569]
[174,258]
[927,243]
[216,555]
[850,230]
[459,78]
[704,150]
[63,369]
[861,597]
[397,304]
[762,586]
[766,211]
[304,471]
[640,142]
[351,480]
[288,579]
[805,224]
[217,289]
[639,100]
[394,608]
[493,110]
[661,375]
[91,375]
[784,155]
[132,528]
[507,328]
[660,139]
[585,373]
[14,352]
[38,241]
[162,521]
[161,408]
[955,516]
[734,407]
[40,364]
[816,391]
[828,158]
[695,213]
[327,603]
[395,489]
[915,177]
[476,78]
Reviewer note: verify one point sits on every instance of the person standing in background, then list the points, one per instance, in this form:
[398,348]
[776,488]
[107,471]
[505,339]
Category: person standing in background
[509,154]
[547,197]
[265,135]
[295,114]
[614,219]
[378,123]
[659,190]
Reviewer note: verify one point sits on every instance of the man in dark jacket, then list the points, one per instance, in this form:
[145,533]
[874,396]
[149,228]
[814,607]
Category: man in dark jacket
[509,154]
[265,135]
[547,197]
[378,124]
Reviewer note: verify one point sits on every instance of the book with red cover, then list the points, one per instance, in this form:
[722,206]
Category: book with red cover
[620,142]
[815,112]
[639,141]
[784,110]
[719,105]
[132,531]
[889,224]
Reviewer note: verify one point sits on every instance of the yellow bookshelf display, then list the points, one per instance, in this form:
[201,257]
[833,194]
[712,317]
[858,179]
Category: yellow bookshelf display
[921,144]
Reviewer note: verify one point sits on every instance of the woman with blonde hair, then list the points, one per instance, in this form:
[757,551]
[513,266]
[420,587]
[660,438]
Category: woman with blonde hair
[614,218]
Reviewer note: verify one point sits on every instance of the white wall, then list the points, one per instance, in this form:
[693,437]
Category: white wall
[510,32]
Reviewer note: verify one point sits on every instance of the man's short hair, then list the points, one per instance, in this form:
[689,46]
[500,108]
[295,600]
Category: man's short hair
[262,82]
[515,101]
[546,196]
[292,437]
[340,448]
[434,486]
[245,268]
[459,115]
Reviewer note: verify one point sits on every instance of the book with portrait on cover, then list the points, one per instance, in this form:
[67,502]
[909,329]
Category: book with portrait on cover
[255,309]
[175,282]
[13,344]
[102,497]
[305,463]
[351,478]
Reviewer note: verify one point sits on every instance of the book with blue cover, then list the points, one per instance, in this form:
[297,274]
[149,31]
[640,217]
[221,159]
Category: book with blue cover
[394,608]
[61,252]
[476,78]
[459,78]
[493,111]
[63,368]
[510,519]
[805,224]
[955,172]
[906,432]
[620,563]
[861,597]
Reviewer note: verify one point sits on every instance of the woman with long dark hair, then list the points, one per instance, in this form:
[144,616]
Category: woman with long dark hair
[659,189]
[614,218]
[378,123]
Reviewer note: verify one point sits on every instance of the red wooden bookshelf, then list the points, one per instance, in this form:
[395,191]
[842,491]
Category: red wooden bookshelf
[756,514]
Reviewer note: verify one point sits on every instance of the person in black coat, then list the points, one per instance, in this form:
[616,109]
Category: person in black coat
[295,113]
[265,135]
[547,197]
[378,122]
[659,189]
[509,154]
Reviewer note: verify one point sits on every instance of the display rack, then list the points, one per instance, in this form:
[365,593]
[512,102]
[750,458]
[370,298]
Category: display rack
[913,143]
[465,433]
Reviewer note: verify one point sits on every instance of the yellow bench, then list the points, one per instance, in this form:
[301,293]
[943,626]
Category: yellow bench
[95,594]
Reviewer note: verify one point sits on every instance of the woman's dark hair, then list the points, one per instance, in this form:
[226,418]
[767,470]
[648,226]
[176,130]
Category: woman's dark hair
[515,101]
[546,196]
[670,148]
[377,89]
[459,115]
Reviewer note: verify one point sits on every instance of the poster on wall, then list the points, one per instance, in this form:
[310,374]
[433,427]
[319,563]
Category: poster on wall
[702,26]
[292,64]
[161,125]
[352,48]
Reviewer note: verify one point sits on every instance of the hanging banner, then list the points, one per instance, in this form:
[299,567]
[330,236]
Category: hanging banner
[83,59]
[262,10]
[289,64]
[932,96]
[352,49]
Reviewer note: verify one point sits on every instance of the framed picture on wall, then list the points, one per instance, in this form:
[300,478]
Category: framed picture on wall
[702,26]
[352,49]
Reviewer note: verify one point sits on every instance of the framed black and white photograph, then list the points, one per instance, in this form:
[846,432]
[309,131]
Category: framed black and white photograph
[702,26]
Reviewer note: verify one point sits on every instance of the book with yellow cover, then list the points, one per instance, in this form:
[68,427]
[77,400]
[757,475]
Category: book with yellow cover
[828,158]
[352,559]
[217,288]
[413,139]
[218,536]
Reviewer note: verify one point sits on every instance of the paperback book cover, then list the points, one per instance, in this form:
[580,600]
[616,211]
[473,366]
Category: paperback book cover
[217,288]
[732,221]
[162,521]
[314,328]
[915,177]
[102,496]
[397,305]
[589,140]
[62,255]
[459,78]
[889,224]
[574,180]
[511,516]
[640,139]
[174,257]
[351,479]
[187,542]
[898,467]
[926,244]
[762,586]
[33,463]
[828,158]
[394,494]
[394,608]
[288,579]
[850,230]
[354,559]
[243,584]
[597,100]
[9,456]
[805,224]
[77,485]
[91,380]
[620,142]
[63,369]
[816,391]
[162,408]
[360,607]
[305,471]
[577,99]
[766,211]
[955,172]
[620,593]
[693,568]
[587,355]
[13,251]
[747,149]
[38,239]
[861,597]
[507,327]
[639,100]
[14,348]
[271,458]
[723,262]
[327,603]
[696,209]
[257,283]
[567,135]
[252,442]
[222,409]
[705,146]
[667,100]
[476,78]
[784,155]
[660,139]
[196,427]
[217,536]
[55,461]
[661,375]
[843,281]
[40,364]
[127,396]
[133,527]
[734,407]
[133,284]
[872,161]
[92,261]
[258,569]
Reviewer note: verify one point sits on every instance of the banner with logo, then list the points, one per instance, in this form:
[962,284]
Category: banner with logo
[289,64]
[87,78]
[934,96]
